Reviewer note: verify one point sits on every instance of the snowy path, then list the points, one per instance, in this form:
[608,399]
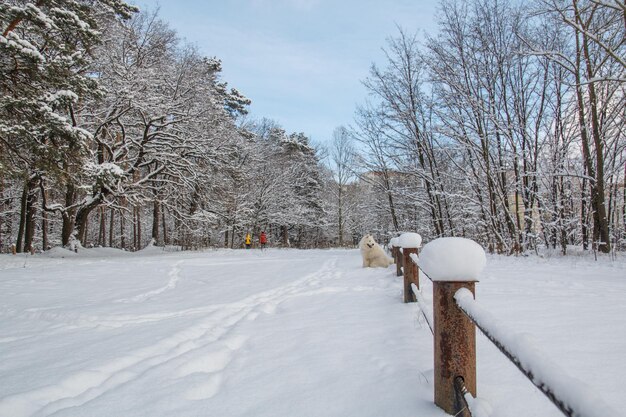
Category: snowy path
[274,333]
[181,333]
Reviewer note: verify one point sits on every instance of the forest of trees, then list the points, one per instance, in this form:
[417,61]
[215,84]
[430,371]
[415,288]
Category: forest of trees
[114,133]
[506,127]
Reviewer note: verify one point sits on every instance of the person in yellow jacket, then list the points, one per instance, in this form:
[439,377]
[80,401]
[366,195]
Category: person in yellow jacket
[248,240]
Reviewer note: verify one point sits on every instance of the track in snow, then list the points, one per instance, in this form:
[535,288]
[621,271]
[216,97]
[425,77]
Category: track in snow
[196,341]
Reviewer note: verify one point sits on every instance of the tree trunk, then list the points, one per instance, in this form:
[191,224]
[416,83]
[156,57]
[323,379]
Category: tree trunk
[111,226]
[624,199]
[340,216]
[68,216]
[562,219]
[156,216]
[31,210]
[1,210]
[165,240]
[392,208]
[137,228]
[597,190]
[285,233]
[22,226]
[44,231]
[85,234]
[102,229]
[134,228]
[122,231]
[82,215]
[583,215]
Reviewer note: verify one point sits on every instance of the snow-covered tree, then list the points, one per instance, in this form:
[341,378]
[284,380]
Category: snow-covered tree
[45,49]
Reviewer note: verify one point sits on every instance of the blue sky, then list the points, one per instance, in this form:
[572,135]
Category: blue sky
[301,62]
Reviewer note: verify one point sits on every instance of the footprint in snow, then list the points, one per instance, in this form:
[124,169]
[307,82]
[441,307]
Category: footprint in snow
[205,390]
[213,361]
[235,342]
[269,308]
[252,316]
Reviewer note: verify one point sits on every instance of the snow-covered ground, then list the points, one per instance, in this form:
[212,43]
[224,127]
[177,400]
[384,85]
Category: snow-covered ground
[281,333]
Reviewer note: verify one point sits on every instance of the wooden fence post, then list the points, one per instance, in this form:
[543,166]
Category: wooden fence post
[399,258]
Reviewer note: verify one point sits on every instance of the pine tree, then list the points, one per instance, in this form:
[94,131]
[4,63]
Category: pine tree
[45,47]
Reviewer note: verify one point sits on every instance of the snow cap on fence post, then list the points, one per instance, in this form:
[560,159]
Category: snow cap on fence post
[410,240]
[452,259]
[393,242]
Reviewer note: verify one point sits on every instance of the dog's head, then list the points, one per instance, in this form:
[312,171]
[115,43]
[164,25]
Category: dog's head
[368,242]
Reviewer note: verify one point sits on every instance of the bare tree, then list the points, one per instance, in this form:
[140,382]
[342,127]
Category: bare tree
[342,158]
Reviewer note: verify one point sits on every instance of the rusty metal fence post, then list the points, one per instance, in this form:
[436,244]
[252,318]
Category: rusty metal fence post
[453,263]
[393,244]
[455,346]
[410,274]
[397,255]
[409,242]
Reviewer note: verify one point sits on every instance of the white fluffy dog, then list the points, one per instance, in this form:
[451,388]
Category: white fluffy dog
[373,255]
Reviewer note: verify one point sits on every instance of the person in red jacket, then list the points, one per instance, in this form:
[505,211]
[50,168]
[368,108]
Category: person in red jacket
[262,240]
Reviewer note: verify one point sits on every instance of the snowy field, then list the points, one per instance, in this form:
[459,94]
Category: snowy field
[281,333]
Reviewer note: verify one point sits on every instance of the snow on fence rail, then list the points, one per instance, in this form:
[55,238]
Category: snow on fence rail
[426,311]
[572,396]
[453,266]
